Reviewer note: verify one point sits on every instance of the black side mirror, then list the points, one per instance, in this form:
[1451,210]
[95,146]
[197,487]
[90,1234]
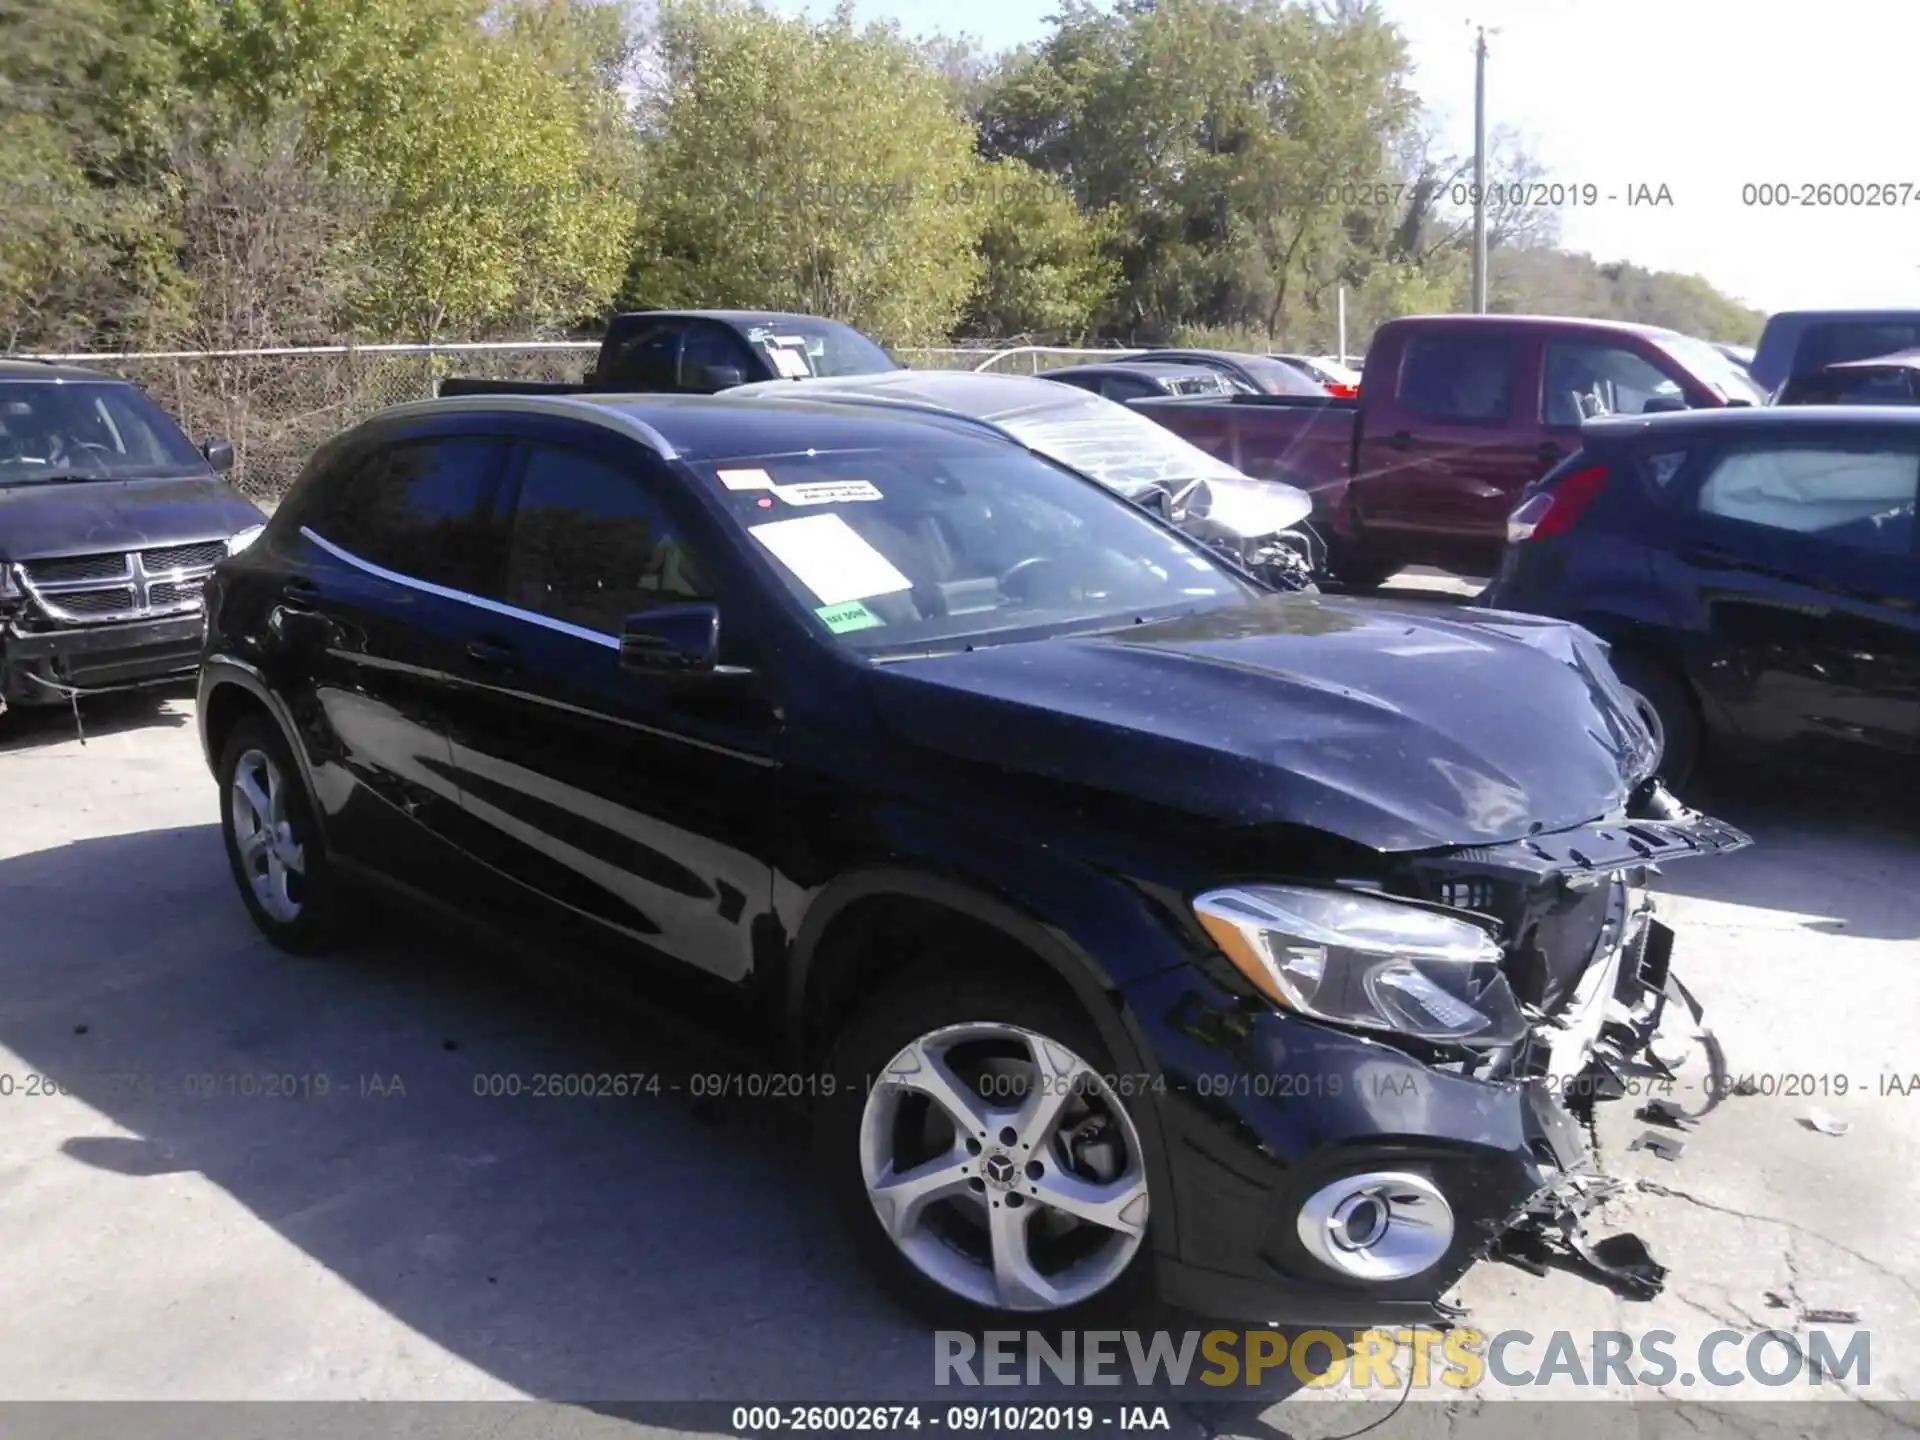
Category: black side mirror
[219,455]
[673,640]
[1663,404]
[725,377]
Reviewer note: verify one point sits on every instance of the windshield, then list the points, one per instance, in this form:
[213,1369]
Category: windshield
[1726,379]
[798,347]
[86,430]
[915,550]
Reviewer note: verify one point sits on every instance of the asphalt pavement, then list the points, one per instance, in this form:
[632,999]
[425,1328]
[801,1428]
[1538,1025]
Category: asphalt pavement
[260,1178]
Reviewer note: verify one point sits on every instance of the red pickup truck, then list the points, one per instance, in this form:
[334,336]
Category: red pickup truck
[1456,414]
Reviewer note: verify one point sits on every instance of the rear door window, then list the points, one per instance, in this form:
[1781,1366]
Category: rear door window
[1459,379]
[650,360]
[422,509]
[1855,497]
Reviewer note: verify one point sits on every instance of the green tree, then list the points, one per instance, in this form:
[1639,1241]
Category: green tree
[1045,271]
[816,167]
[1220,132]
[495,135]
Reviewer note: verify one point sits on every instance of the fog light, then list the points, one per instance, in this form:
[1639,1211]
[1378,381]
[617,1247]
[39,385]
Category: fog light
[1381,1226]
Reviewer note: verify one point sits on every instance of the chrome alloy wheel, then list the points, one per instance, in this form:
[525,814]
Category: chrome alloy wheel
[1650,717]
[273,861]
[1004,1167]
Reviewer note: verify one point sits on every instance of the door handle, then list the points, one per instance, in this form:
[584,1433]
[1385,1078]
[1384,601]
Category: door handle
[1399,440]
[492,654]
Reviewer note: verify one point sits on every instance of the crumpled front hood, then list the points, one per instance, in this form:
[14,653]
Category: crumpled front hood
[1396,726]
[94,516]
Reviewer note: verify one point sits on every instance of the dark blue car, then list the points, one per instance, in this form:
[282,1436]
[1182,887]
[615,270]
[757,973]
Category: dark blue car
[1754,571]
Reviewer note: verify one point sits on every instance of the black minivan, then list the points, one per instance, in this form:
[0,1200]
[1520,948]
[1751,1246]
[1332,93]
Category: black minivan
[1131,928]
[110,522]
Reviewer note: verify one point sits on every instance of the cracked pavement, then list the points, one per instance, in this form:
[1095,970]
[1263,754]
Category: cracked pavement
[437,1245]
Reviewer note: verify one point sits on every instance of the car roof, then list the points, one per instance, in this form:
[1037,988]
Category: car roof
[980,394]
[1575,322]
[16,369]
[1159,369]
[1208,353]
[713,427]
[731,317]
[1760,418]
[1907,314]
[1898,359]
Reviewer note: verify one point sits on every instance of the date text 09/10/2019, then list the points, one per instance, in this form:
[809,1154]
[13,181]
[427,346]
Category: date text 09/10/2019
[960,1419]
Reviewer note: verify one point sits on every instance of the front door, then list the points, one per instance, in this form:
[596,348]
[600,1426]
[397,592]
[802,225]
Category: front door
[641,808]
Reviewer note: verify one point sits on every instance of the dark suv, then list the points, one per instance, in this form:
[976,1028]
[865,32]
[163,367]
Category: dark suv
[110,521]
[1131,926]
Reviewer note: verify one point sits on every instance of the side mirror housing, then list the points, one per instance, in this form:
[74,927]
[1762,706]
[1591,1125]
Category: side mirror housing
[725,377]
[219,455]
[672,640]
[1663,404]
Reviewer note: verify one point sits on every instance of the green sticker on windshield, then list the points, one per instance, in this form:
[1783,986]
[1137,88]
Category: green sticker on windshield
[850,616]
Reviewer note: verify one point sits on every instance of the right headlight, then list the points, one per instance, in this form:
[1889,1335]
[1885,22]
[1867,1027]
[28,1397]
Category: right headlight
[1368,961]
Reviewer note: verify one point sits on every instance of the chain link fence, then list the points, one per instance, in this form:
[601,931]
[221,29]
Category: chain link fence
[276,406]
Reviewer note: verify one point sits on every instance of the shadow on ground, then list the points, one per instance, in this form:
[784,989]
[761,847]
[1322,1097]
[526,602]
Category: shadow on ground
[1839,849]
[25,727]
[592,1250]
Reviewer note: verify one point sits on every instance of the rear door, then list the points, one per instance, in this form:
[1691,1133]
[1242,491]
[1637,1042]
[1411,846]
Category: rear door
[373,625]
[1445,451]
[634,810]
[1800,558]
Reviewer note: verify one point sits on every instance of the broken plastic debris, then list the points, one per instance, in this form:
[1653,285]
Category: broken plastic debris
[1818,1119]
[1665,1146]
[1830,1317]
[1664,1112]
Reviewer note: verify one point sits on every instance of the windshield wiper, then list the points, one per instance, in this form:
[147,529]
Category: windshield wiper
[50,477]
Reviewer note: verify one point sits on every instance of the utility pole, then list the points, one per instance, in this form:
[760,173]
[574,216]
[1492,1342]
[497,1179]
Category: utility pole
[1480,173]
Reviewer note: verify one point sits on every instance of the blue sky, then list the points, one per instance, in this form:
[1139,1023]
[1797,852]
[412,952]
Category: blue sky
[1701,96]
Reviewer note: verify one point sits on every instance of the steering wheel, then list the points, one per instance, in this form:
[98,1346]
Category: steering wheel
[92,451]
[1024,567]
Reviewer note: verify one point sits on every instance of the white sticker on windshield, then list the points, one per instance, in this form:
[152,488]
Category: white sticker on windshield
[827,492]
[790,363]
[745,479]
[830,558]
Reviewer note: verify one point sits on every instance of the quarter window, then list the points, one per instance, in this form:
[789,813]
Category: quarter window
[1860,498]
[591,545]
[421,509]
[1458,379]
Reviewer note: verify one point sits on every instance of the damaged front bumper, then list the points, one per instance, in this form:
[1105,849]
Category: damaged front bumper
[1303,1145]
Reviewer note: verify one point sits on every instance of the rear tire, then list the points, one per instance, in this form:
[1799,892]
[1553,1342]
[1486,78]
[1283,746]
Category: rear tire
[990,1248]
[1354,567]
[274,847]
[1668,708]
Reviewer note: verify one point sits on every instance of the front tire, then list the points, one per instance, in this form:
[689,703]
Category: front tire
[273,842]
[1668,710]
[982,1157]
[1354,567]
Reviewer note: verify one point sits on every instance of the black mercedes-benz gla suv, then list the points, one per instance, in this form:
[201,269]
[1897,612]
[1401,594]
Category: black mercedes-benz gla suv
[1133,928]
